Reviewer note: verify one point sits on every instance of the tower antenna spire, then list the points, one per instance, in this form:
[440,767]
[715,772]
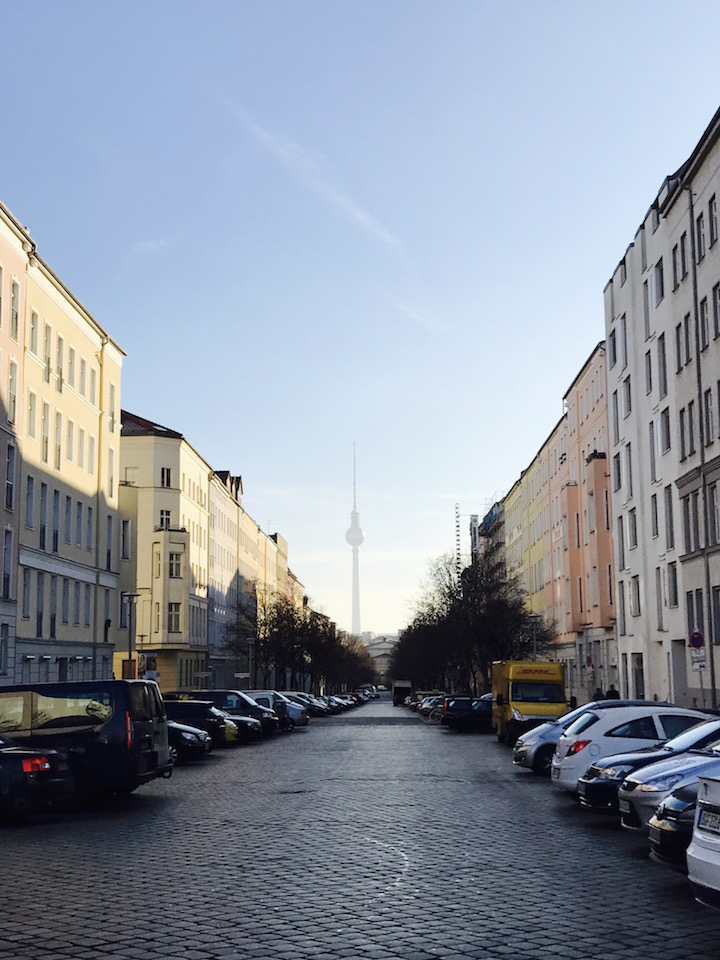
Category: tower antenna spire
[355,537]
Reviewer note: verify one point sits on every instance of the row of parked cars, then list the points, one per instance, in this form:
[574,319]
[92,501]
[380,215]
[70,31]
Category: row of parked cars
[77,740]
[654,767]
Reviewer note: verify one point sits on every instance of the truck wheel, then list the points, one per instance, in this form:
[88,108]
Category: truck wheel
[543,761]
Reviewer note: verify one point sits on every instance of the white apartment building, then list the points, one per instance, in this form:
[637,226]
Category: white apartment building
[662,317]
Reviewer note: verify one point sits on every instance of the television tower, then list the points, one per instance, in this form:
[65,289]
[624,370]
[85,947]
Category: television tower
[355,537]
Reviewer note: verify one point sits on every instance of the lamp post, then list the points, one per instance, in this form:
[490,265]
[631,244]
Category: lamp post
[130,599]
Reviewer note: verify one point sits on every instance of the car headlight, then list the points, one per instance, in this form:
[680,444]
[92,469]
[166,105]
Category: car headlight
[188,736]
[663,784]
[516,715]
[617,772]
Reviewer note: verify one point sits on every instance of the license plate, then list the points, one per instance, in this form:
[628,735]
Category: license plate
[624,806]
[710,821]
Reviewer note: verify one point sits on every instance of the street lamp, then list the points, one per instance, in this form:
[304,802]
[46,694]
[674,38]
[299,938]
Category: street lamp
[130,599]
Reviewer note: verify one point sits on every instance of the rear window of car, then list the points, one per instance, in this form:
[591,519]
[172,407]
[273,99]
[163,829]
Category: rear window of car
[642,728]
[83,709]
[674,723]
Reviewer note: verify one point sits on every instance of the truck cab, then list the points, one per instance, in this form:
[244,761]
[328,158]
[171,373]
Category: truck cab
[525,694]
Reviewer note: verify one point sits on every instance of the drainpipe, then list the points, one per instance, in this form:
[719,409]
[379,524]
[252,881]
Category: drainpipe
[709,628]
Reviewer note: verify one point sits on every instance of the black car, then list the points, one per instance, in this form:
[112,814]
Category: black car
[465,712]
[671,827]
[234,702]
[32,780]
[599,785]
[187,743]
[199,713]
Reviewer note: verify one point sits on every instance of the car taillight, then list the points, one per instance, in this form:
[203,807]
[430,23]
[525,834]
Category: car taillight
[35,764]
[129,728]
[577,747]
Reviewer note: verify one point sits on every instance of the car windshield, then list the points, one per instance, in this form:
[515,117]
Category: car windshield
[689,738]
[534,692]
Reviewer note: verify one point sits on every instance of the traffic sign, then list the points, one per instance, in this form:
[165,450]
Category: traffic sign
[697,640]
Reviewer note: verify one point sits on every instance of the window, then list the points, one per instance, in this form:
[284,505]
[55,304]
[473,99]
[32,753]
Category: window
[71,367]
[32,412]
[654,525]
[87,606]
[59,363]
[617,472]
[90,529]
[683,255]
[659,286]
[665,430]
[691,522]
[165,519]
[716,310]
[14,309]
[700,235]
[43,514]
[704,324]
[70,441]
[632,529]
[691,427]
[83,375]
[678,348]
[40,604]
[662,366]
[669,521]
[45,440]
[613,347]
[174,565]
[713,517]
[34,325]
[81,448]
[712,219]
[622,626]
[27,590]
[672,585]
[30,502]
[708,417]
[123,619]
[53,607]
[12,391]
[615,417]
[165,476]
[642,728]
[76,603]
[68,519]
[648,372]
[173,618]
[58,440]
[621,544]
[628,470]
[688,339]
[78,523]
[10,477]
[108,556]
[675,266]
[635,596]
[65,601]
[125,540]
[653,459]
[56,522]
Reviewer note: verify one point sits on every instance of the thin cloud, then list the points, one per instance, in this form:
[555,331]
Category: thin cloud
[315,172]
[426,323]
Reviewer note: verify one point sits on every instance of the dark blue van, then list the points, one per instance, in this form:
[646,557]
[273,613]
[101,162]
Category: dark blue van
[114,732]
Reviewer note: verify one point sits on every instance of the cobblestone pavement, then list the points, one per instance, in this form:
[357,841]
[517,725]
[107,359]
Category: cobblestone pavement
[368,835]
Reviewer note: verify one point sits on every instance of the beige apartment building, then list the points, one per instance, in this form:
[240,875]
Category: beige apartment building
[557,533]
[60,374]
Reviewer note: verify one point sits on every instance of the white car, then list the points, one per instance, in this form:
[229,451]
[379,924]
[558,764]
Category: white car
[602,733]
[703,854]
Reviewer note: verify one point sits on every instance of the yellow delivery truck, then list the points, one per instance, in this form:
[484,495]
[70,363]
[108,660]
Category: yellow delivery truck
[525,694]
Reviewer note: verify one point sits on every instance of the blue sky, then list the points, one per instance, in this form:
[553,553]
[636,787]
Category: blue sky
[384,223]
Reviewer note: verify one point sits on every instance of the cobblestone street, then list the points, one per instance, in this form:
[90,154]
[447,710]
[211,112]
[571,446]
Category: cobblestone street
[367,835]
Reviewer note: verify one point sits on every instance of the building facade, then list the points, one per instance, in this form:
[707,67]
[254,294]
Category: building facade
[662,318]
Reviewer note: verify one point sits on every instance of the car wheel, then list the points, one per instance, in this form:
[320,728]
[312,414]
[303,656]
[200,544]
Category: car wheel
[542,763]
[173,756]
[435,715]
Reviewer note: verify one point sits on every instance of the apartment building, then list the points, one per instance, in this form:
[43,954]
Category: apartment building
[59,442]
[662,317]
[558,538]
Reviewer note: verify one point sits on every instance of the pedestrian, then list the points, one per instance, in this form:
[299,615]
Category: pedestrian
[612,693]
[598,695]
